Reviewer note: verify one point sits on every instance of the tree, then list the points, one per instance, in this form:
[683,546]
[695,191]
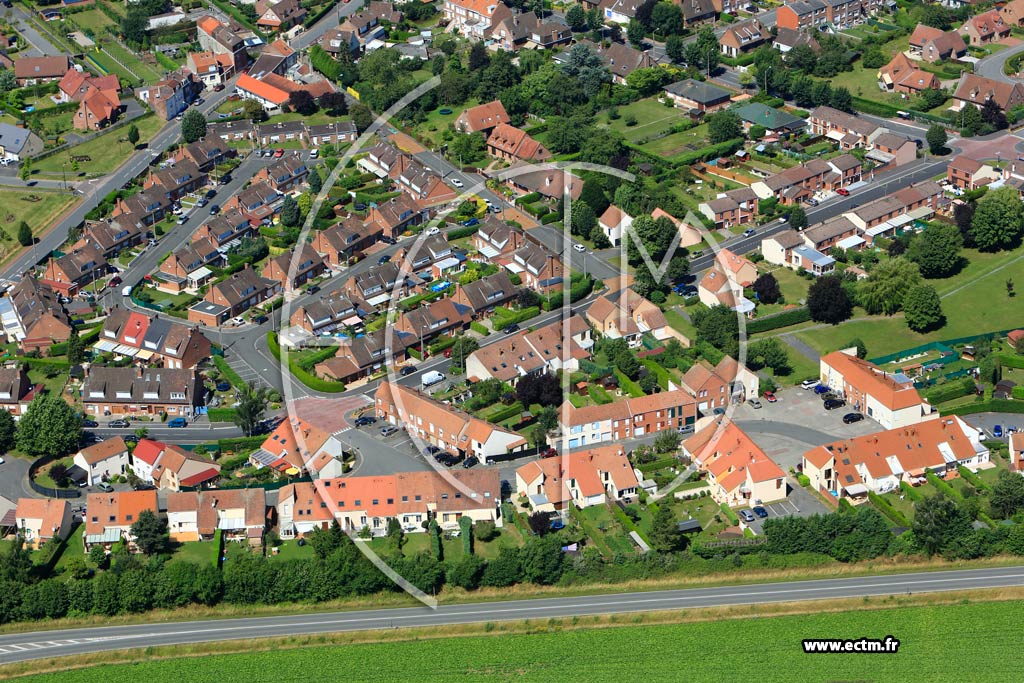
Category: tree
[252,405]
[25,238]
[334,103]
[963,216]
[8,428]
[542,559]
[724,126]
[797,217]
[938,521]
[59,474]
[936,251]
[134,26]
[767,289]
[937,139]
[667,441]
[290,214]
[827,300]
[667,19]
[254,111]
[887,286]
[467,572]
[1009,288]
[539,523]
[993,115]
[478,58]
[665,536]
[1007,496]
[923,309]
[675,48]
[49,427]
[316,183]
[757,131]
[970,121]
[998,220]
[636,33]
[302,102]
[460,350]
[841,100]
[769,353]
[26,170]
[362,116]
[873,58]
[703,53]
[649,80]
[718,326]
[76,347]
[150,533]
[467,148]
[582,219]
[133,134]
[193,126]
[540,388]
[547,419]
[576,17]
[857,343]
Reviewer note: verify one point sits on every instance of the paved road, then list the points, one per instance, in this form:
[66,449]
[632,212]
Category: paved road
[69,642]
[330,20]
[992,66]
[194,433]
[39,46]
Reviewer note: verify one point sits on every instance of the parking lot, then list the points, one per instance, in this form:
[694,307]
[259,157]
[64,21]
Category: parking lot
[799,502]
[803,411]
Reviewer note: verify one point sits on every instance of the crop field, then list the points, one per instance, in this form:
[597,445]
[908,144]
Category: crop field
[933,648]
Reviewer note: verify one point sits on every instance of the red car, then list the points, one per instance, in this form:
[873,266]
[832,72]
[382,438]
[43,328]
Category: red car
[843,192]
[548,453]
[770,397]
[448,353]
[279,152]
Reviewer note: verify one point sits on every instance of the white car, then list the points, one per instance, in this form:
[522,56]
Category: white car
[434,230]
[458,183]
[314,154]
[579,247]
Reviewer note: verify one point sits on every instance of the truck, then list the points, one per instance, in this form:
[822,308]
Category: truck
[431,378]
[126,290]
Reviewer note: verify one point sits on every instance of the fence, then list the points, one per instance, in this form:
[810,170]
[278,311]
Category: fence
[45,490]
[109,129]
[946,344]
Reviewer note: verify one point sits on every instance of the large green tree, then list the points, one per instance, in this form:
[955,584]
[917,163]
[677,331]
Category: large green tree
[49,427]
[828,301]
[938,522]
[936,251]
[193,126]
[923,309]
[998,220]
[937,138]
[8,430]
[724,126]
[886,287]
[251,407]
[1007,497]
[665,536]
[150,533]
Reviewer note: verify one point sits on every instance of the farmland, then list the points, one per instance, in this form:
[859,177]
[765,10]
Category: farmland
[931,639]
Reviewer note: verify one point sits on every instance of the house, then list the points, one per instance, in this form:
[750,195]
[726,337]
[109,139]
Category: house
[586,478]
[98,98]
[300,510]
[272,90]
[717,386]
[259,200]
[697,11]
[739,268]
[717,289]
[174,182]
[698,97]
[205,153]
[830,233]
[526,352]
[186,268]
[170,467]
[614,223]
[33,316]
[329,313]
[787,248]
[142,208]
[627,315]
[373,285]
[302,444]
[38,520]
[625,419]
[514,144]
[886,215]
[336,133]
[484,294]
[799,15]
[890,400]
[84,265]
[444,316]
[901,75]
[172,95]
[279,16]
[394,216]
[285,174]
[618,11]
[774,121]
[103,460]
[984,28]
[848,130]
[224,229]
[969,174]
[978,90]
[735,207]
[880,462]
[17,390]
[111,237]
[471,18]
[688,235]
[800,183]
[345,241]
[295,267]
[239,514]
[215,37]
[413,499]
[890,149]
[433,422]
[211,68]
[230,131]
[787,38]
[619,58]
[339,42]
[152,339]
[1012,13]
[551,184]
[496,241]
[36,70]
[232,297]
[18,143]
[269,134]
[109,517]
[538,268]
[366,355]
[141,391]
[932,45]
[742,36]
[482,118]
[738,471]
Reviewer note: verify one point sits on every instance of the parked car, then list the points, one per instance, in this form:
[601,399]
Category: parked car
[218,87]
[511,328]
[821,389]
[105,487]
[388,431]
[214,209]
[90,423]
[388,240]
[224,179]
[406,370]
[812,202]
[434,230]
[202,202]
[833,403]
[685,429]
[182,220]
[471,461]
[843,192]
[770,396]
[471,222]
[365,420]
[548,452]
[210,194]
[119,424]
[312,289]
[809,383]
[850,418]
[745,515]
[144,487]
[760,511]
[579,247]
[383,259]
[260,319]
[749,232]
[754,403]
[278,153]
[997,431]
[177,423]
[315,153]
[115,281]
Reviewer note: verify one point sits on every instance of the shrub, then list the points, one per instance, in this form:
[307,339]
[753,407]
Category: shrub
[793,316]
[894,515]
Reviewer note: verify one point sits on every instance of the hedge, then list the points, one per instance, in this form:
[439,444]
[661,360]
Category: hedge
[943,486]
[911,493]
[1011,360]
[972,478]
[528,198]
[479,328]
[228,372]
[894,515]
[626,522]
[794,316]
[1018,392]
[459,233]
[505,317]
[950,390]
[722,149]
[656,465]
[729,514]
[441,344]
[221,414]
[311,381]
[241,443]
[845,505]
[996,405]
[628,385]
[218,547]
[507,412]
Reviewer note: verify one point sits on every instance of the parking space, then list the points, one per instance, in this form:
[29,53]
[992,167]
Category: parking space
[798,502]
[803,408]
[988,422]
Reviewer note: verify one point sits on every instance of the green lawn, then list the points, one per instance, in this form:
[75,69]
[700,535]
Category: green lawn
[291,550]
[73,547]
[974,302]
[437,123]
[196,552]
[611,532]
[106,151]
[679,143]
[144,71]
[92,19]
[932,648]
[54,385]
[34,206]
[652,117]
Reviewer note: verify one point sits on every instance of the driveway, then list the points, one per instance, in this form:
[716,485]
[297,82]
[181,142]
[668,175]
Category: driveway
[987,421]
[376,455]
[799,502]
[800,415]
[14,478]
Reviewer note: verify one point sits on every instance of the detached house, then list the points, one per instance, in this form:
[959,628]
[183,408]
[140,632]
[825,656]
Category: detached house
[172,95]
[932,45]
[279,16]
[482,118]
[593,477]
[627,315]
[977,90]
[514,144]
[738,471]
[901,75]
[98,98]
[211,68]
[742,36]
[984,28]
[969,174]
[614,223]
[34,70]
[307,266]
[698,97]
[103,460]
[233,296]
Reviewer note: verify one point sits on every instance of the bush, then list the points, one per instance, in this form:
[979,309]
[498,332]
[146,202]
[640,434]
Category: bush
[479,327]
[228,372]
[729,514]
[972,478]
[911,493]
[793,316]
[894,515]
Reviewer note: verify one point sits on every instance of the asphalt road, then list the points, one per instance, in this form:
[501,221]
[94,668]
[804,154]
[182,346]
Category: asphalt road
[78,641]
[38,45]
[992,66]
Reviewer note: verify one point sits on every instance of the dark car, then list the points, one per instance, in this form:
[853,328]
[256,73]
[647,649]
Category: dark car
[210,194]
[821,389]
[177,423]
[115,281]
[471,222]
[365,420]
[144,487]
[833,403]
[511,328]
[471,461]
[383,259]
[118,424]
[388,240]
[548,453]
[225,179]
[406,370]
[223,386]
[260,319]
[214,209]
[313,289]
[850,418]
[760,511]
[90,423]
[432,450]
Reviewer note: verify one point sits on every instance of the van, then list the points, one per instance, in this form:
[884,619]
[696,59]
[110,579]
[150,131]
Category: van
[905,115]
[126,290]
[433,377]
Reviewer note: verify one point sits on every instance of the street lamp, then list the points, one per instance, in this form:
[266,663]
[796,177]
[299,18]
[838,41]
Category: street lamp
[766,80]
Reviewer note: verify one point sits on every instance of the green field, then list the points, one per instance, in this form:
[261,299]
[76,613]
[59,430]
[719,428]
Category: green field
[142,70]
[106,151]
[92,19]
[651,116]
[933,647]
[18,205]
